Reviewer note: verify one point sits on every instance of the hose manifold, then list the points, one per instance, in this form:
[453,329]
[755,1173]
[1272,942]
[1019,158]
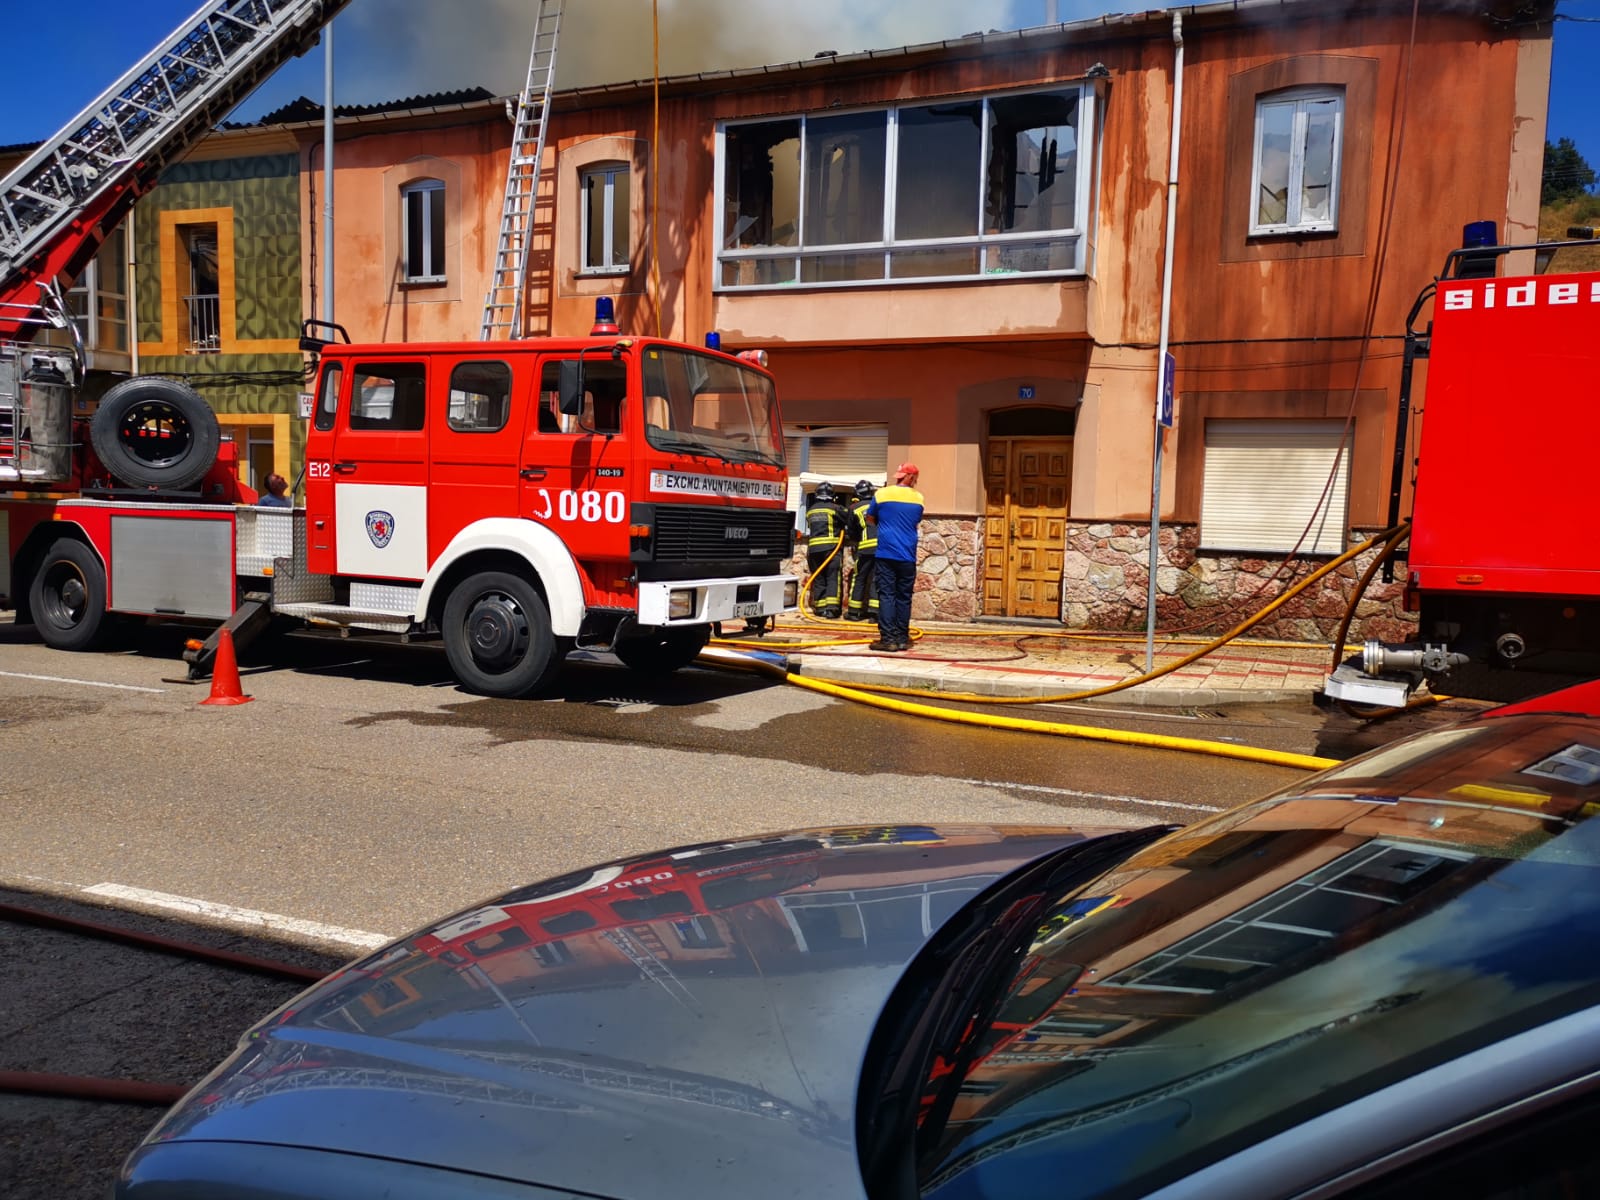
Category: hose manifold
[1377,658]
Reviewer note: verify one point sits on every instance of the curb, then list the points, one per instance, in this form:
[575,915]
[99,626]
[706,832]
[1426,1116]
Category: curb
[1151,695]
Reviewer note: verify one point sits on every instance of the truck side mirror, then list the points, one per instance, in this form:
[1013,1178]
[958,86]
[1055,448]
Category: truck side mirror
[569,389]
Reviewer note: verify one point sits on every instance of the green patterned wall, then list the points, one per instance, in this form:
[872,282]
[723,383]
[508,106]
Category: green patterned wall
[263,192]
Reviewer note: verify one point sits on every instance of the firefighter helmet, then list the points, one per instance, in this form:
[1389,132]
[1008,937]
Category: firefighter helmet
[823,494]
[865,490]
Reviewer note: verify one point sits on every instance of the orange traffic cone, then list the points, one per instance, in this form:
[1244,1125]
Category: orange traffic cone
[225,687]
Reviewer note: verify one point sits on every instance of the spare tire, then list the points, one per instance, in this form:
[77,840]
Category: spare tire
[154,432]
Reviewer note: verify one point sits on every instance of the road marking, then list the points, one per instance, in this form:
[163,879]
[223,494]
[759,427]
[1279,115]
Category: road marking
[1077,795]
[122,687]
[248,917]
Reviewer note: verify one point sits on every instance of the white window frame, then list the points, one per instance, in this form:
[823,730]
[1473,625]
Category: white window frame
[432,192]
[608,250]
[993,248]
[1264,484]
[1299,99]
[91,288]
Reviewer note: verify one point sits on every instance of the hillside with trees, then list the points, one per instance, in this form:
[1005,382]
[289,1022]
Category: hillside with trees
[1567,198]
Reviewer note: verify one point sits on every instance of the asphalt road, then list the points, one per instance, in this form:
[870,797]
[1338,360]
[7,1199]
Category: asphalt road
[362,789]
[361,794]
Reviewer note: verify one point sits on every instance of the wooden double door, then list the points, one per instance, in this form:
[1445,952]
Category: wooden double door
[1027,483]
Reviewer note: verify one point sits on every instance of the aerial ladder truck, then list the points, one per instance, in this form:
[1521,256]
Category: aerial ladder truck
[513,498]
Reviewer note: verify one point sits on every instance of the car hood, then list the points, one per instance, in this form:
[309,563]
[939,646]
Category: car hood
[683,1023]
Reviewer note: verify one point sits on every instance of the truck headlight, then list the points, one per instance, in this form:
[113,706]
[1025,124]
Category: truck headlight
[681,603]
[791,594]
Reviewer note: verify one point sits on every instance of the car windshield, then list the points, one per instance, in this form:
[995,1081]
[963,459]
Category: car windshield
[709,405]
[1249,972]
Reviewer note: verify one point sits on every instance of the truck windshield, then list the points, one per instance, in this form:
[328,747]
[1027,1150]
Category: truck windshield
[704,404]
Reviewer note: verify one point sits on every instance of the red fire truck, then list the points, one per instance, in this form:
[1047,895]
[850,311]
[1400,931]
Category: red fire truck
[1499,567]
[513,499]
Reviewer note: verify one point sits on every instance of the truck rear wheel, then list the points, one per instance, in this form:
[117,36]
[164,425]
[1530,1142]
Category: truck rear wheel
[68,597]
[497,636]
[662,651]
[156,433]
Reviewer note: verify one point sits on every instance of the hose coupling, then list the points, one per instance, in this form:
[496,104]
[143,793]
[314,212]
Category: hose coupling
[1377,658]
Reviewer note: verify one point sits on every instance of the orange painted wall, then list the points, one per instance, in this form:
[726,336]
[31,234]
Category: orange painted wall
[931,360]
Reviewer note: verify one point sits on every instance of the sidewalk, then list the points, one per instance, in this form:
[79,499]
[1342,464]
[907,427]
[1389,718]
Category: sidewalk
[1003,659]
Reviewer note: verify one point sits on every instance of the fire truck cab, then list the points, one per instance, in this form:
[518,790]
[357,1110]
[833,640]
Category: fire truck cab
[526,497]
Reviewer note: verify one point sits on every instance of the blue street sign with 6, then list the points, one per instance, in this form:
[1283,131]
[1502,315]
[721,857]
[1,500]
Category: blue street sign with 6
[1169,372]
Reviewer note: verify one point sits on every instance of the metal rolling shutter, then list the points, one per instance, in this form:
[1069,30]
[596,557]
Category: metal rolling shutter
[839,454]
[1263,482]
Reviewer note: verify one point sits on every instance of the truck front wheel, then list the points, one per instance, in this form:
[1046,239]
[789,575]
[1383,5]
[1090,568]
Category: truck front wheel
[497,636]
[68,597]
[662,651]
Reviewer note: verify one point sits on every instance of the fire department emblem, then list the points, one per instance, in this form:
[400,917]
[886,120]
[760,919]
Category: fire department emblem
[380,527]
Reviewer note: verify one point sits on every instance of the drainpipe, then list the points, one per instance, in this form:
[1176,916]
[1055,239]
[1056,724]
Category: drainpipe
[131,254]
[327,173]
[1166,330]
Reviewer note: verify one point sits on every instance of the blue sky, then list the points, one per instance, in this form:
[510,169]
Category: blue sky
[389,49]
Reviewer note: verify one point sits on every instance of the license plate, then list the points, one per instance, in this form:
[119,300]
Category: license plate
[747,610]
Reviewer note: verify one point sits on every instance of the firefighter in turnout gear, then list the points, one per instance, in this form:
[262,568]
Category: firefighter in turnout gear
[864,541]
[825,526]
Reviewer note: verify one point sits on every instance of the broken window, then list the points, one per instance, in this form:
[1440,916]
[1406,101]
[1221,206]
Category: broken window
[1295,176]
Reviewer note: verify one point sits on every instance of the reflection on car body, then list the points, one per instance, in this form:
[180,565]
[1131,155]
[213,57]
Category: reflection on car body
[1360,986]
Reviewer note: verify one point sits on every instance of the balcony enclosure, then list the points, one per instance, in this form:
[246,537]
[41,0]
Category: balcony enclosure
[961,189]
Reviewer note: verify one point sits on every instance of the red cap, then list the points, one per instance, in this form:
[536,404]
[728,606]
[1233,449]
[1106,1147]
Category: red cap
[904,469]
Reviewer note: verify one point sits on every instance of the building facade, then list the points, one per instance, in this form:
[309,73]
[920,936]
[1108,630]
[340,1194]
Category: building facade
[958,254]
[218,288]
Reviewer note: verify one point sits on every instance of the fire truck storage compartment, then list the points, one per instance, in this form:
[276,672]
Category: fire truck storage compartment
[265,534]
[179,565]
[35,419]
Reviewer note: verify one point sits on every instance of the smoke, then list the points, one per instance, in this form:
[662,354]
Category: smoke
[401,48]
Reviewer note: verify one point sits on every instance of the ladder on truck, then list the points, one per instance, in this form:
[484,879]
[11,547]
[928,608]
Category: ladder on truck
[504,308]
[58,203]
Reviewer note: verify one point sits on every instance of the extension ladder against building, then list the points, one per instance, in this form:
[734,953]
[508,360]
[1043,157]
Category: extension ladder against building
[504,308]
[57,205]
[651,967]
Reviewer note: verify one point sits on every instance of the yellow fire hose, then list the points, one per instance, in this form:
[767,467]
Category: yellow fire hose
[1154,741]
[875,695]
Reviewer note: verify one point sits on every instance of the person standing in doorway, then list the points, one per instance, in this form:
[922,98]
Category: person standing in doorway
[896,511]
[825,525]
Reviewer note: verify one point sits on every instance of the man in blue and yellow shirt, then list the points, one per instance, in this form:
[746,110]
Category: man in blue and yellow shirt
[896,510]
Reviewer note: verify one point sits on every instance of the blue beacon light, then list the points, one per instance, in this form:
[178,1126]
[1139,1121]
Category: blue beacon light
[605,317]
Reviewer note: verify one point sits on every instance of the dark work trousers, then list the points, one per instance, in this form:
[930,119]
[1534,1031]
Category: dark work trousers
[864,587]
[824,582]
[896,581]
